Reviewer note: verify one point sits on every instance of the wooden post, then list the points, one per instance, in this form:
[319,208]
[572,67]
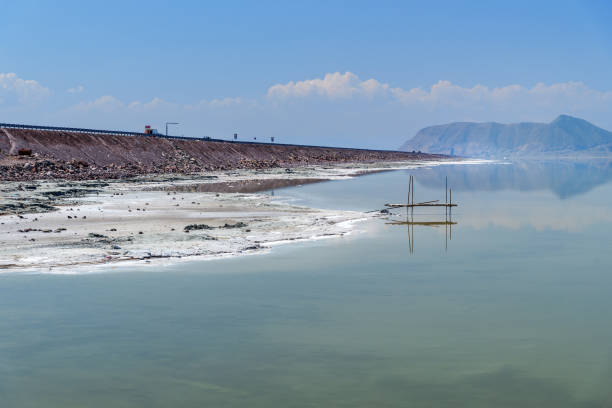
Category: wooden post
[446,196]
[408,202]
[450,209]
[409,239]
[412,211]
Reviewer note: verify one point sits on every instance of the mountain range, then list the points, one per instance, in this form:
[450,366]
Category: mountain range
[565,136]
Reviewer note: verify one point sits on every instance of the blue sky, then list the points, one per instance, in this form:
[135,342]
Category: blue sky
[343,73]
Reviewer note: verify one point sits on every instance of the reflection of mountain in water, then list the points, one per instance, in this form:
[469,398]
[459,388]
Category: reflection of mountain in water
[564,178]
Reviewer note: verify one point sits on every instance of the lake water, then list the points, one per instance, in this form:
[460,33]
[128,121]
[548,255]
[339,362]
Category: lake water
[514,311]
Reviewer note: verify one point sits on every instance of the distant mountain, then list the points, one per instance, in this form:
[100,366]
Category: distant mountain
[564,136]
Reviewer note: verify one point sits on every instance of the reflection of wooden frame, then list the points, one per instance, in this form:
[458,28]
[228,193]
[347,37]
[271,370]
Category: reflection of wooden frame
[448,222]
[410,223]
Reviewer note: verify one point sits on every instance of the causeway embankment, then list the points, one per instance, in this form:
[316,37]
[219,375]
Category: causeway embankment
[29,154]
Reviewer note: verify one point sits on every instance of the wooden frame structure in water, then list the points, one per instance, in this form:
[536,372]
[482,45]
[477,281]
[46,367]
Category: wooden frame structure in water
[410,205]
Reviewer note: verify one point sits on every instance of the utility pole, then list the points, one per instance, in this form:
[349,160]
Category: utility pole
[170,123]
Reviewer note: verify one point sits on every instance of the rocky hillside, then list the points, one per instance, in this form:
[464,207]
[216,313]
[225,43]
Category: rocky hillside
[51,154]
[565,136]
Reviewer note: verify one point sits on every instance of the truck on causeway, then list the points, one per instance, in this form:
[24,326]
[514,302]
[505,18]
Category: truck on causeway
[150,131]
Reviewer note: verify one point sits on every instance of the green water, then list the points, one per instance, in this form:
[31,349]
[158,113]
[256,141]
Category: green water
[515,312]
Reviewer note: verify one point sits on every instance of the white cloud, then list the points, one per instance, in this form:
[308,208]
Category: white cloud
[27,91]
[565,96]
[109,103]
[223,103]
[106,103]
[216,103]
[76,90]
[155,104]
[333,85]
[442,92]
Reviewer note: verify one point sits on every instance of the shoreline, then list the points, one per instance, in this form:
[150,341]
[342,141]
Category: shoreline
[148,220]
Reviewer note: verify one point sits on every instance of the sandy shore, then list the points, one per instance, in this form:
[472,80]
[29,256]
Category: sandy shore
[50,225]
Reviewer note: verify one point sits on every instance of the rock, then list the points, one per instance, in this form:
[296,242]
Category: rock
[236,225]
[193,227]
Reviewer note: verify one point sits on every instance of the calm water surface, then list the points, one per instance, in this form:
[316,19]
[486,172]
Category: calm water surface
[514,311]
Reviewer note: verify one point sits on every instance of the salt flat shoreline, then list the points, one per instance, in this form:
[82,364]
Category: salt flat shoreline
[59,227]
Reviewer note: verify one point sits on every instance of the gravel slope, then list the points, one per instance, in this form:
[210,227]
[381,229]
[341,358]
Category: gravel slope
[91,156]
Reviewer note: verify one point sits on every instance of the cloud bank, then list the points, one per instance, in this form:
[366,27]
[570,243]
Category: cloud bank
[333,85]
[109,103]
[345,87]
[338,108]
[570,95]
[25,91]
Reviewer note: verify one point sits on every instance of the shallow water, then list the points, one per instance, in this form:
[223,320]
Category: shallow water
[513,311]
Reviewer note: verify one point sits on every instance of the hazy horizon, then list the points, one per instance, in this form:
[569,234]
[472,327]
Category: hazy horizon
[347,74]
